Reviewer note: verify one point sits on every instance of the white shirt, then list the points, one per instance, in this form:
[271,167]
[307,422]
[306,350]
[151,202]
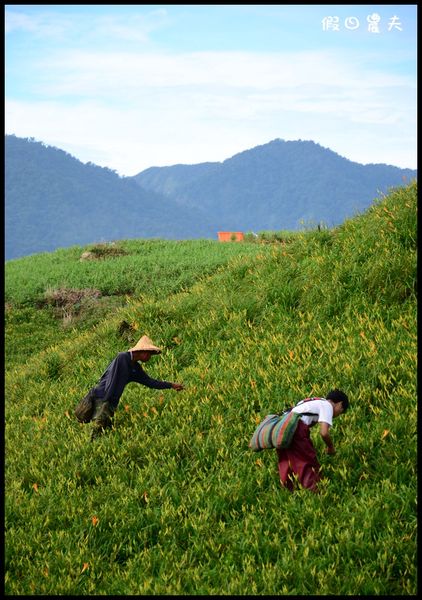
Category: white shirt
[322,407]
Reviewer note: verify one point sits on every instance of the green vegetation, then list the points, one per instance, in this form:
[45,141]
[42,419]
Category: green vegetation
[271,236]
[76,294]
[173,501]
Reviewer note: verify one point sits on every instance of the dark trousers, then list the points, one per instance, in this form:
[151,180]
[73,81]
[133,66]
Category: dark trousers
[102,418]
[299,460]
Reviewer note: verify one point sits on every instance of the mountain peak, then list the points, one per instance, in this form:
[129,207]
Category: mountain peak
[53,200]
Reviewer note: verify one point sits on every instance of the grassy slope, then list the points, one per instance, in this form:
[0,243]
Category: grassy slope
[132,269]
[173,501]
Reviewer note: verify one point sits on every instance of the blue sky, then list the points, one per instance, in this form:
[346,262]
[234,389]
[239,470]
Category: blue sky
[134,86]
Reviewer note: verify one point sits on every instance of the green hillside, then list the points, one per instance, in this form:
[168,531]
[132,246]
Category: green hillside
[173,501]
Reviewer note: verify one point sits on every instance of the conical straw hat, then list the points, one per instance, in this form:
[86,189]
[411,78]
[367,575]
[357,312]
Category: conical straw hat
[146,344]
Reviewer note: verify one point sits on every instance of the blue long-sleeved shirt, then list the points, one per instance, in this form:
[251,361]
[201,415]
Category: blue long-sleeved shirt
[118,374]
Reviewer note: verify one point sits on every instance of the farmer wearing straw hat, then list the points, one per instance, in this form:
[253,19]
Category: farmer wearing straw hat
[101,401]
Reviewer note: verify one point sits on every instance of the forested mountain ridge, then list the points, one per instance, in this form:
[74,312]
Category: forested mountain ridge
[277,186]
[54,200]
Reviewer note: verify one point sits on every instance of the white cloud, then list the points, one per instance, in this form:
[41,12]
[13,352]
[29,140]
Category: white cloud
[136,29]
[229,85]
[47,23]
[93,73]
[130,111]
[40,25]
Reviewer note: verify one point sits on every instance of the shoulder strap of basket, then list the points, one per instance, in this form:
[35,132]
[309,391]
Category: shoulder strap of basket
[304,414]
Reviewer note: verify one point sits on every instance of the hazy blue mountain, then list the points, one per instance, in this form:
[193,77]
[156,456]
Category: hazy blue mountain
[53,200]
[277,186]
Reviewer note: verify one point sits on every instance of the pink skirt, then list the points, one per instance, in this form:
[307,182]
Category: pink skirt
[299,460]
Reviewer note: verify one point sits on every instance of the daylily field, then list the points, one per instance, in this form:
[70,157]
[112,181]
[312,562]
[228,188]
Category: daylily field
[172,501]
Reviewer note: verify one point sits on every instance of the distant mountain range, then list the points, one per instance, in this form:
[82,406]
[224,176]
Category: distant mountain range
[53,200]
[276,186]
